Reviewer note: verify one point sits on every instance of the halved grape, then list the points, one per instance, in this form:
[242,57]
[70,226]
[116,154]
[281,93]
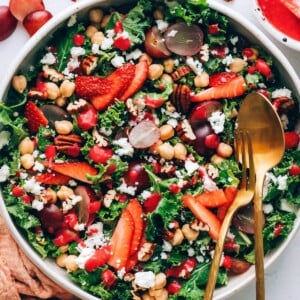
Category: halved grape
[144,135]
[184,39]
[8,22]
[51,217]
[203,110]
[54,113]
[201,131]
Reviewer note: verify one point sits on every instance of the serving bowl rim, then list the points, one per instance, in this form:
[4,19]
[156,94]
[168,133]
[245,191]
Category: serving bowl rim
[46,266]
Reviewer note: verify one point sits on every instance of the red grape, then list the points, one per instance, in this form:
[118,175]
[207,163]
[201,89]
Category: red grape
[35,20]
[203,110]
[8,22]
[137,176]
[51,217]
[20,9]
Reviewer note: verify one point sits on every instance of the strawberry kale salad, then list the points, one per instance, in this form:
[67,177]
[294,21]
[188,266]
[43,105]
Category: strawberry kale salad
[117,154]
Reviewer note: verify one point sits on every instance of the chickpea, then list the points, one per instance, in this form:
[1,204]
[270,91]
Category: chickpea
[61,101]
[96,15]
[160,281]
[27,161]
[166,151]
[63,127]
[177,238]
[189,233]
[237,65]
[61,260]
[224,150]
[201,80]
[146,57]
[155,293]
[180,151]
[63,249]
[52,90]
[70,263]
[97,38]
[49,196]
[155,71]
[19,83]
[26,146]
[105,20]
[216,159]
[67,88]
[169,65]
[90,31]
[167,78]
[164,295]
[146,296]
[158,14]
[64,193]
[166,132]
[154,149]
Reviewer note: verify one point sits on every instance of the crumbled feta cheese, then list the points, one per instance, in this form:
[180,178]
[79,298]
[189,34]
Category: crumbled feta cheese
[126,148]
[85,254]
[191,166]
[117,61]
[162,25]
[172,33]
[172,122]
[284,121]
[234,40]
[287,206]
[105,131]
[200,258]
[96,239]
[31,186]
[37,204]
[70,202]
[145,194]
[195,65]
[227,60]
[282,182]
[284,92]
[38,166]
[72,21]
[4,173]
[121,273]
[107,43]
[124,188]
[135,54]
[144,279]
[204,53]
[35,153]
[163,255]
[95,49]
[77,51]
[4,138]
[217,121]
[79,226]
[167,247]
[268,208]
[48,59]
[72,183]
[191,252]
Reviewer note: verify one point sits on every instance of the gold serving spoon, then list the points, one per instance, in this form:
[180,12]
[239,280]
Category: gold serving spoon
[258,117]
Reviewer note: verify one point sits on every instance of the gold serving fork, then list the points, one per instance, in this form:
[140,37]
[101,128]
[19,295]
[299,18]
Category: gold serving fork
[244,154]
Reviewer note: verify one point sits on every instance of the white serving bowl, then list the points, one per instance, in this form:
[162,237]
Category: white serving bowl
[27,56]
[272,30]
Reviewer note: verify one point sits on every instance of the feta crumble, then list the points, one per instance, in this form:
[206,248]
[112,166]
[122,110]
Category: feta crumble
[4,138]
[4,173]
[162,25]
[33,187]
[38,166]
[107,43]
[191,166]
[284,92]
[217,121]
[37,204]
[48,59]
[195,65]
[117,61]
[124,188]
[85,254]
[126,148]
[77,51]
[72,21]
[144,279]
[136,54]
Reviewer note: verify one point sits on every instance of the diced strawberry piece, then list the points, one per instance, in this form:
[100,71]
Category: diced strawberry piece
[35,117]
[173,287]
[65,236]
[90,86]
[120,79]
[151,202]
[219,51]
[174,188]
[70,219]
[87,119]
[263,67]
[233,88]
[53,178]
[213,28]
[75,170]
[118,28]
[135,209]
[278,229]
[212,141]
[140,75]
[122,43]
[294,170]
[94,207]
[291,139]
[227,262]
[99,259]
[17,191]
[108,278]
[50,152]
[100,155]
[121,241]
[221,78]
[78,39]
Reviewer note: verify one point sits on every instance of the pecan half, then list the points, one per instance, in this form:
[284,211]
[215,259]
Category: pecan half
[180,97]
[181,72]
[283,104]
[77,106]
[89,64]
[52,74]
[65,140]
[36,94]
[185,131]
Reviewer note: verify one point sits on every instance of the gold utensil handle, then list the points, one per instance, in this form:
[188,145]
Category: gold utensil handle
[258,238]
[215,264]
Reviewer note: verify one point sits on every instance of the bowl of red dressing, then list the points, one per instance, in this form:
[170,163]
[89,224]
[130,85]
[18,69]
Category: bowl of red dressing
[281,19]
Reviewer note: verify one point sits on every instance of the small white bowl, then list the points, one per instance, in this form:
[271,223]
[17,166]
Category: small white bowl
[27,56]
[277,34]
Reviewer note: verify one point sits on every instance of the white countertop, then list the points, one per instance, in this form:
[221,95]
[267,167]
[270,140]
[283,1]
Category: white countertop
[283,277]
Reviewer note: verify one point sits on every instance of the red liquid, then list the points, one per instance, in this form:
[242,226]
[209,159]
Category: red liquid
[281,17]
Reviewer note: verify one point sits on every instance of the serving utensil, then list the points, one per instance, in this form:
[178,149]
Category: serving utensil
[244,153]
[258,117]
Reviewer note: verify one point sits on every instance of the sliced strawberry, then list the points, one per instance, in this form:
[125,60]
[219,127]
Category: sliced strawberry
[98,259]
[119,79]
[233,88]
[212,198]
[135,209]
[230,193]
[35,117]
[53,178]
[221,78]
[75,170]
[137,82]
[291,139]
[90,86]
[121,241]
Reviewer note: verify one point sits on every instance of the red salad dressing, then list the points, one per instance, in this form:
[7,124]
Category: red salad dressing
[281,17]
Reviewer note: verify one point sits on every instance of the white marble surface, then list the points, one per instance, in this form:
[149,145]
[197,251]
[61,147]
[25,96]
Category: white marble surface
[283,277]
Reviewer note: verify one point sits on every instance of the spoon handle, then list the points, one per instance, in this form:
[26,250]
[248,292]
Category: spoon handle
[258,238]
